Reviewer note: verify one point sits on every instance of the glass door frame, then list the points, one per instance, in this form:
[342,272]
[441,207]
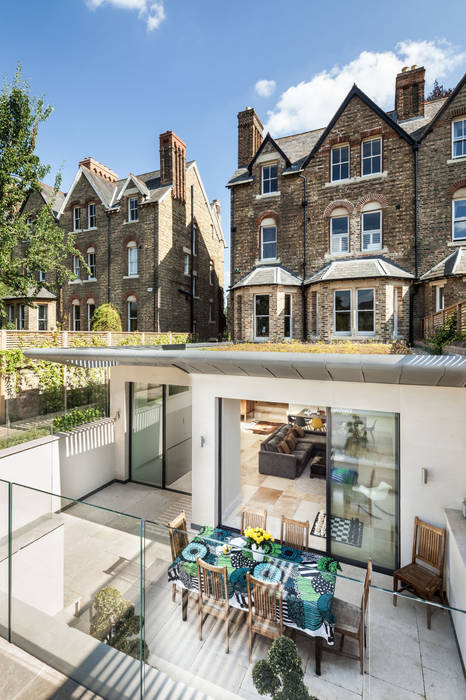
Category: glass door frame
[164,487]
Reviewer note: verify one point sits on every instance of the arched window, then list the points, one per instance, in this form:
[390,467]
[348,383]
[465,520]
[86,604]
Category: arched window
[371,226]
[132,258]
[76,315]
[91,263]
[268,239]
[90,312]
[132,313]
[459,215]
[339,231]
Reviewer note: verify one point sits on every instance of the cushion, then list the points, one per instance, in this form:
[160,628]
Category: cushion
[291,440]
[284,447]
[316,423]
[299,432]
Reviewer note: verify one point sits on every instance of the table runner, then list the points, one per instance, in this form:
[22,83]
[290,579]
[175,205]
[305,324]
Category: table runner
[307,593]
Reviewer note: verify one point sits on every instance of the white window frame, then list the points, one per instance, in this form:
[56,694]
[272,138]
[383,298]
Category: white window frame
[77,219]
[395,312]
[371,157]
[339,236]
[211,273]
[371,232]
[77,266]
[41,276]
[261,338]
[335,312]
[454,220]
[42,307]
[439,298]
[91,216]
[458,140]
[270,179]
[187,265]
[133,259]
[129,318]
[90,303]
[334,150]
[76,320]
[356,309]
[91,263]
[133,209]
[288,316]
[268,243]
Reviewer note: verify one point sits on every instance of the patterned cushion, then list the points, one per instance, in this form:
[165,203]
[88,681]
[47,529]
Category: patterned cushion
[299,432]
[291,440]
[284,447]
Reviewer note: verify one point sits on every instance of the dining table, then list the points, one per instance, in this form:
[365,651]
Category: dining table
[307,590]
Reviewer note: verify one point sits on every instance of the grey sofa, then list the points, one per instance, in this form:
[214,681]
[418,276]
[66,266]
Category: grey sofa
[289,466]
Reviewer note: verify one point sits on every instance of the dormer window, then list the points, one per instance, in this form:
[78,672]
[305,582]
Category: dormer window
[268,239]
[340,163]
[371,157]
[269,179]
[133,209]
[91,216]
[77,219]
[458,146]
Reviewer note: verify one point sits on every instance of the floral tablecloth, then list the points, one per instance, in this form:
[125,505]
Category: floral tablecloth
[307,593]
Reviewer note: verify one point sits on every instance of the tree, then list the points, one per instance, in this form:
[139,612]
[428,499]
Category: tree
[281,674]
[116,624]
[438,91]
[26,249]
[106,318]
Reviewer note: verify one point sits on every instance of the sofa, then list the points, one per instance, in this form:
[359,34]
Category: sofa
[287,465]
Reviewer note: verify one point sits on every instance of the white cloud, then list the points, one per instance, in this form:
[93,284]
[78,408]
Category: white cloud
[265,88]
[153,13]
[311,104]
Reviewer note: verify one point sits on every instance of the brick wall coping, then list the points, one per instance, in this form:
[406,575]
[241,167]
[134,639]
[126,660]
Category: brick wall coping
[420,370]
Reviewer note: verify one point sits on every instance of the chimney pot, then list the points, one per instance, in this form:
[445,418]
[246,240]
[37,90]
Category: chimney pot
[414,67]
[99,169]
[409,92]
[405,69]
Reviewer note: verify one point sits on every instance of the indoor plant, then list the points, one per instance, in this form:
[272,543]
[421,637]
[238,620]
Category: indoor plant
[258,539]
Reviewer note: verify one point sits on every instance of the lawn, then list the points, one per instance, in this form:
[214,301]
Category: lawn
[343,347]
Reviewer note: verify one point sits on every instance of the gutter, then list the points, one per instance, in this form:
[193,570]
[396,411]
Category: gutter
[303,289]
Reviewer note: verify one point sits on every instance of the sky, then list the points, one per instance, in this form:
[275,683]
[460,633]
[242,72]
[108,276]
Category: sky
[120,72]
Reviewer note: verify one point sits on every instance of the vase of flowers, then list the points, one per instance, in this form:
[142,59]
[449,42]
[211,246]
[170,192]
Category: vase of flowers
[258,539]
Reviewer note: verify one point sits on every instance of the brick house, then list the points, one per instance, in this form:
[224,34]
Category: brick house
[325,230]
[153,244]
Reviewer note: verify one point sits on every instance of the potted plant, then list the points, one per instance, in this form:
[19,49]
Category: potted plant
[281,674]
[258,539]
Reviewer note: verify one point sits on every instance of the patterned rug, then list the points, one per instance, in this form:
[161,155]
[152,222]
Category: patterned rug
[346,530]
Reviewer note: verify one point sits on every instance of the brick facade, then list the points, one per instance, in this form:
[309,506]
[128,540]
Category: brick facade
[392,192]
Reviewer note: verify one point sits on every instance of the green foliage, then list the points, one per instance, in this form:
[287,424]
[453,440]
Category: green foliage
[23,436]
[106,318]
[75,417]
[281,674]
[398,347]
[445,334]
[438,91]
[116,624]
[24,250]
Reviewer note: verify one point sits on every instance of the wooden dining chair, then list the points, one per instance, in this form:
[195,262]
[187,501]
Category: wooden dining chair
[178,533]
[351,621]
[253,518]
[294,533]
[265,610]
[428,547]
[213,596]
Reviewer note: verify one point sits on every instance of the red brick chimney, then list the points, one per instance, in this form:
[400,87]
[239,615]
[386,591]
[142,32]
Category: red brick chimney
[250,130]
[173,164]
[409,92]
[101,170]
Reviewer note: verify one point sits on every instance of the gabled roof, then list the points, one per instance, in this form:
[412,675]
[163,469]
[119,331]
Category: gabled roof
[358,268]
[444,106]
[268,139]
[137,182]
[268,274]
[356,92]
[416,125]
[43,294]
[451,266]
[52,196]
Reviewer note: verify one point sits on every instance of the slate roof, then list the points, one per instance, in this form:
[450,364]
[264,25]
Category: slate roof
[268,274]
[299,145]
[416,125]
[49,195]
[358,268]
[43,293]
[454,264]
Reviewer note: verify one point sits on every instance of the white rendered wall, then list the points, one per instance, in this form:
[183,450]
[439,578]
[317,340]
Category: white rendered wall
[231,456]
[455,567]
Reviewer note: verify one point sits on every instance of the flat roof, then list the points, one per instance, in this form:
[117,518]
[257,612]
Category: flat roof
[420,370]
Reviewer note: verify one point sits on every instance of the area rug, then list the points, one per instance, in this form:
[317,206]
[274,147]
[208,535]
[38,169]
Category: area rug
[345,530]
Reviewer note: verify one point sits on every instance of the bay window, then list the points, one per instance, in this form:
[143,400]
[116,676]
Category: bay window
[42,317]
[288,317]
[365,311]
[261,316]
[342,311]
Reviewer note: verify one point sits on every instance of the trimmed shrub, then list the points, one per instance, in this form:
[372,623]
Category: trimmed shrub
[106,318]
[75,417]
[115,623]
[281,674]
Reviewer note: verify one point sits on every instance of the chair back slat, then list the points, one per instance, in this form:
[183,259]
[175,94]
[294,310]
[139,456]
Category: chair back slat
[429,544]
[265,601]
[253,518]
[213,582]
[295,533]
[178,532]
[365,595]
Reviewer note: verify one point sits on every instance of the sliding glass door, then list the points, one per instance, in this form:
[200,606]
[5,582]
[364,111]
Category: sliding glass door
[362,486]
[161,435]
